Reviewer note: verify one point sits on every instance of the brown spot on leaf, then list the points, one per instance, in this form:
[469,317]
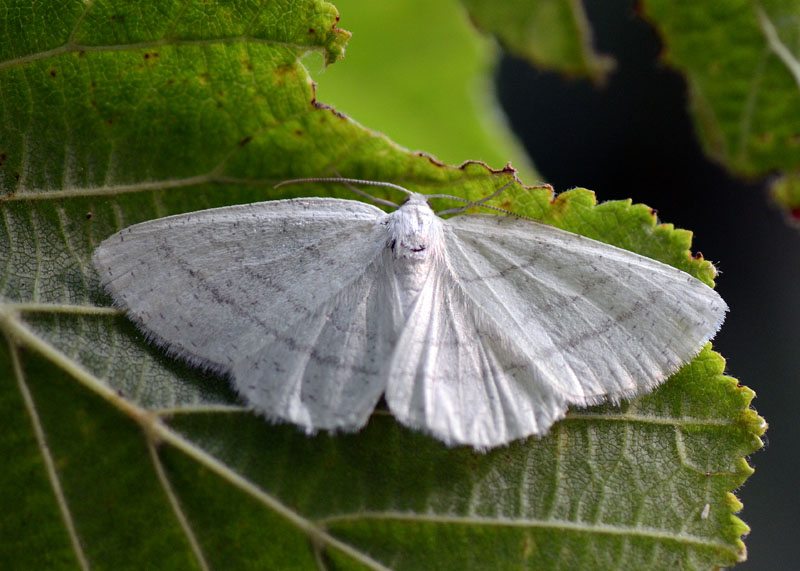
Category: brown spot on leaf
[52,72]
[431,159]
[285,70]
[3,158]
[312,31]
[560,203]
[244,141]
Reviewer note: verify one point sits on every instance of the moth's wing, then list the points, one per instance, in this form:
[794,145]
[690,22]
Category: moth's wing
[523,319]
[456,375]
[218,286]
[595,321]
[326,370]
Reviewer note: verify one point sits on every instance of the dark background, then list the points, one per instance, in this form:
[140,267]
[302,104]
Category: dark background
[634,139]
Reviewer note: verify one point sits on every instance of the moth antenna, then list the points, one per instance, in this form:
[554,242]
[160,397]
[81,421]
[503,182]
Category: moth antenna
[482,202]
[349,182]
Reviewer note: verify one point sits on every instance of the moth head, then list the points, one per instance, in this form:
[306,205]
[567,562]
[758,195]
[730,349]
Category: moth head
[414,230]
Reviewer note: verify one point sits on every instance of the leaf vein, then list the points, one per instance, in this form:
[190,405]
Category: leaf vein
[47,458]
[777,46]
[177,509]
[75,47]
[62,222]
[565,525]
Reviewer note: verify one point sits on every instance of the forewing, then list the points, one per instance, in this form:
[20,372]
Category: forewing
[326,370]
[595,320]
[455,374]
[212,285]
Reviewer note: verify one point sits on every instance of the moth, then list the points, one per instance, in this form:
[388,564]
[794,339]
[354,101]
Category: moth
[478,329]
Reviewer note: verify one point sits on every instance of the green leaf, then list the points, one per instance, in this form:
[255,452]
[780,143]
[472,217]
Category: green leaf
[420,73]
[117,455]
[552,34]
[741,60]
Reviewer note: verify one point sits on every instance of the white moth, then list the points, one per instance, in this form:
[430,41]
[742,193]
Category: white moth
[478,329]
